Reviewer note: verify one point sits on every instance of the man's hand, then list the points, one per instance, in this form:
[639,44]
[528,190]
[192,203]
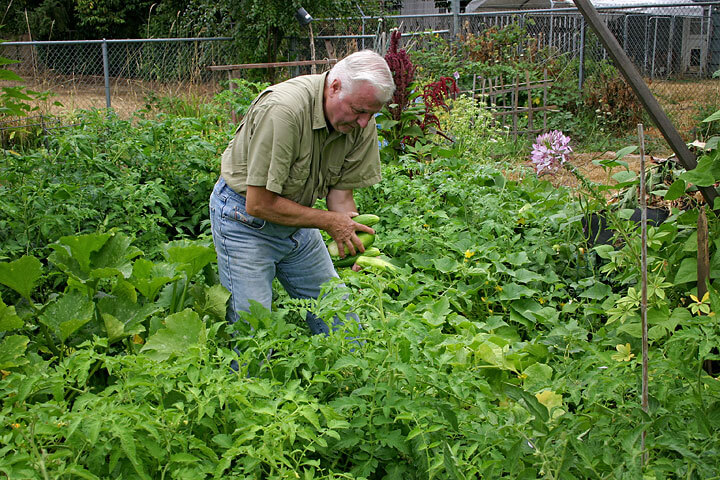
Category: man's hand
[342,229]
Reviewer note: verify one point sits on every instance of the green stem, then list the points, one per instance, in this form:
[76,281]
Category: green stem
[50,343]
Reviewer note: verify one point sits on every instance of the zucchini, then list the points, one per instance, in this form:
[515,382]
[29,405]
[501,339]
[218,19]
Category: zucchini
[367,240]
[366,219]
[380,263]
[350,261]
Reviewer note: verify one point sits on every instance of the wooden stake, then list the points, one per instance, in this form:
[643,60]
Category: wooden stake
[313,68]
[643,294]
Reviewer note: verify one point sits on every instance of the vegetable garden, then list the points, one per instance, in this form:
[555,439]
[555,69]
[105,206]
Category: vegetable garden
[504,342]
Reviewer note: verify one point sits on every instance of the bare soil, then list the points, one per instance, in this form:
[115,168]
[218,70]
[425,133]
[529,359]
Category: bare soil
[126,95]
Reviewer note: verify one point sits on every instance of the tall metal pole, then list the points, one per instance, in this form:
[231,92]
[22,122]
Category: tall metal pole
[581,72]
[636,82]
[456,18]
[106,72]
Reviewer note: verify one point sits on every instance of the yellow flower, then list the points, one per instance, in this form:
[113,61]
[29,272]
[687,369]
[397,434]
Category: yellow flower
[469,253]
[700,306]
[623,353]
[15,425]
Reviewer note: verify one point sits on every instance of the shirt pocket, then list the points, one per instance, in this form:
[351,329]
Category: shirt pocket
[332,176]
[298,176]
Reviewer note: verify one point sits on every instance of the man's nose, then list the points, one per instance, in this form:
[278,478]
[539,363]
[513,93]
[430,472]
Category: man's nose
[363,120]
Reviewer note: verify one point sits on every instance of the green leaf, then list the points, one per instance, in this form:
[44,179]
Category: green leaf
[625,151]
[114,258]
[687,272]
[446,264]
[183,330]
[523,275]
[531,403]
[12,351]
[114,328]
[213,301]
[599,291]
[493,354]
[451,463]
[517,258]
[190,257]
[625,178]
[127,442]
[21,275]
[79,248]
[538,374]
[676,190]
[9,320]
[714,300]
[435,315]
[702,175]
[712,118]
[10,76]
[513,291]
[67,314]
[149,277]
[129,314]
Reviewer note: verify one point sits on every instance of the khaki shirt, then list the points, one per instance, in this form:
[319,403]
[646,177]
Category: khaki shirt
[283,144]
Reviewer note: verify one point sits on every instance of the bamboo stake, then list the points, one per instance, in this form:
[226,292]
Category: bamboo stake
[515,96]
[529,102]
[703,254]
[545,94]
[643,304]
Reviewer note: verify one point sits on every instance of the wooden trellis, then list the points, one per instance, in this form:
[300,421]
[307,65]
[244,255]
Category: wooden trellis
[504,97]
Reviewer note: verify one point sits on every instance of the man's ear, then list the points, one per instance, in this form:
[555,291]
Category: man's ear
[336,86]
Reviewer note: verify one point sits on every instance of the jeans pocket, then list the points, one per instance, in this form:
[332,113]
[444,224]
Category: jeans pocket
[237,213]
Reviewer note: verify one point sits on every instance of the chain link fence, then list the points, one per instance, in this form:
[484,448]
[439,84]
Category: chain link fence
[675,47]
[122,74]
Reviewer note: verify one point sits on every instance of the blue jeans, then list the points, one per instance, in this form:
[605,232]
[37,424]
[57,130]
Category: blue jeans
[251,252]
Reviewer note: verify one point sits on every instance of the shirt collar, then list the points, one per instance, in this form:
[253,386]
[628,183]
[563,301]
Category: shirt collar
[318,118]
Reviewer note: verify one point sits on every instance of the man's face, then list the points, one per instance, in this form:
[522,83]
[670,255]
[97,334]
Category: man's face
[352,110]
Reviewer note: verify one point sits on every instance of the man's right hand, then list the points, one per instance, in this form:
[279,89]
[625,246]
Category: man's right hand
[342,228]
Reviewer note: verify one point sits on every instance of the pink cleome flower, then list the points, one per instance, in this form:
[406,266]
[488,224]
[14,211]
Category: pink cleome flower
[550,152]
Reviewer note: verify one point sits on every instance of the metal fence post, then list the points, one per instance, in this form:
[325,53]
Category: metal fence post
[714,41]
[106,72]
[456,18]
[581,69]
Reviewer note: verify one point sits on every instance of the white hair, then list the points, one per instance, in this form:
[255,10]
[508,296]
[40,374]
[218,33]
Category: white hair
[364,66]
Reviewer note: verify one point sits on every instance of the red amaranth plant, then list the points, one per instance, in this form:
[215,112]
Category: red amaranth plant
[403,72]
[434,95]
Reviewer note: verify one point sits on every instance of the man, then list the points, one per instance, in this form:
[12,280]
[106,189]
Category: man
[307,138]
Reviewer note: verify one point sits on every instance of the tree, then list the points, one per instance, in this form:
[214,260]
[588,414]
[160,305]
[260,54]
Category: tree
[263,27]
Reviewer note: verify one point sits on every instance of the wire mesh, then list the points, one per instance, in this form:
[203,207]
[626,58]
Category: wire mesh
[676,48]
[73,74]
